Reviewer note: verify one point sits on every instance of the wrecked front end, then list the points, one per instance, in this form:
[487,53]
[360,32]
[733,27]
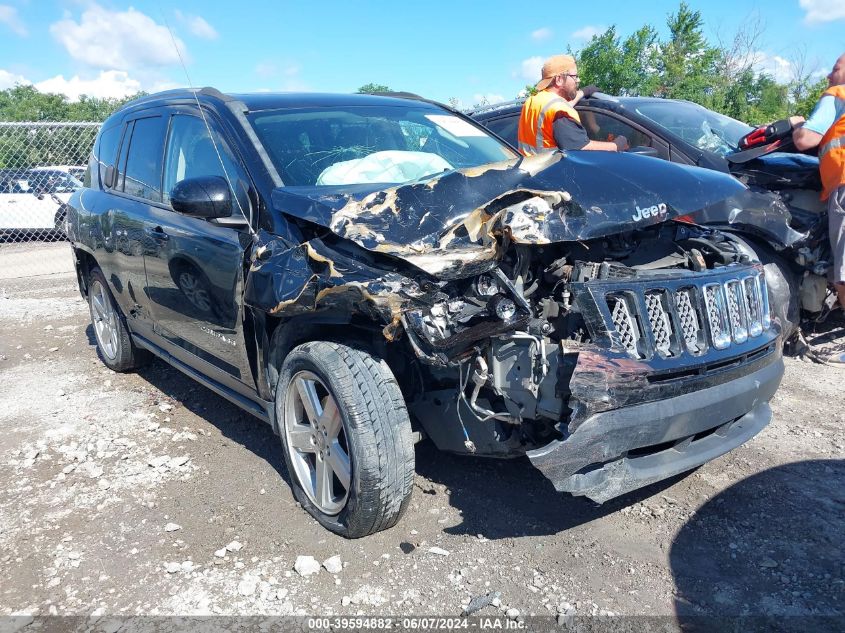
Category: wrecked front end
[610,345]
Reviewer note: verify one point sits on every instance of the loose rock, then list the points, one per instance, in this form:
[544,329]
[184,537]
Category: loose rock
[306,565]
[438,550]
[333,565]
[479,602]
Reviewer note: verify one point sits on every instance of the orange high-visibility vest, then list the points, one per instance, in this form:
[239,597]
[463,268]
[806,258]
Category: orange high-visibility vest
[536,122]
[832,147]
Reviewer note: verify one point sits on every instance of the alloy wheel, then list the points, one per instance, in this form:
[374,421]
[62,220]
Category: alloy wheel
[104,320]
[316,443]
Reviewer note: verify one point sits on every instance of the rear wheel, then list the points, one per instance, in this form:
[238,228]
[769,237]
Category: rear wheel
[114,343]
[346,437]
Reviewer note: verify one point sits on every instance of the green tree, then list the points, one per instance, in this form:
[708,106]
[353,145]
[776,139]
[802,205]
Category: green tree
[26,103]
[617,67]
[809,96]
[687,64]
[372,88]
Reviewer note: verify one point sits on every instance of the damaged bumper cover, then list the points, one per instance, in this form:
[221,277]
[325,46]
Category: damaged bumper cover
[614,452]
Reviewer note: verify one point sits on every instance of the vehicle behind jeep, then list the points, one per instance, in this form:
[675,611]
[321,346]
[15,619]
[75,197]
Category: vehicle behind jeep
[790,237]
[362,271]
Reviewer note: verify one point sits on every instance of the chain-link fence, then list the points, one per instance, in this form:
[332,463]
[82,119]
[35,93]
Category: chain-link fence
[41,164]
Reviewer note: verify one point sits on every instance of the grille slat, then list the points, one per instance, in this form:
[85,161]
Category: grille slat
[688,316]
[624,323]
[736,310]
[658,319]
[670,322]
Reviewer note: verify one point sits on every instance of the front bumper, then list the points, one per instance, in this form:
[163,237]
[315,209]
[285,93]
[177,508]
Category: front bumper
[614,452]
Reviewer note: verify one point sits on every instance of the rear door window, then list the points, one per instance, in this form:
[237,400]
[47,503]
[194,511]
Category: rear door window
[142,177]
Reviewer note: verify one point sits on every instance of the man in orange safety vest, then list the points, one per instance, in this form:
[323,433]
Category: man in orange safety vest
[549,121]
[825,129]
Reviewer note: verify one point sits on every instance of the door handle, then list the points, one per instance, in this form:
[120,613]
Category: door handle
[158,233]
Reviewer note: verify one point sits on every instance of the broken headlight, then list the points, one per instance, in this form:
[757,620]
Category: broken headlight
[485,286]
[503,307]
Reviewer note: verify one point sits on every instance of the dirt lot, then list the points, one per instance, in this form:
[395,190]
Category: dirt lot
[148,494]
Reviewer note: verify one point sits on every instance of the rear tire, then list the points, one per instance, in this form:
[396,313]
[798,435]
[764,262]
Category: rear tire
[114,343]
[343,422]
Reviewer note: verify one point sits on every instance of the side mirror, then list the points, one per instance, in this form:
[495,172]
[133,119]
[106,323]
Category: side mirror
[206,197]
[642,150]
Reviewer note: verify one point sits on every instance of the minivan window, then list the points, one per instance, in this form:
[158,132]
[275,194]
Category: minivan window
[143,163]
[191,153]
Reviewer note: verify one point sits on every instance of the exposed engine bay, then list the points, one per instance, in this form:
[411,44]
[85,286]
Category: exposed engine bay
[531,286]
[515,334]
[596,328]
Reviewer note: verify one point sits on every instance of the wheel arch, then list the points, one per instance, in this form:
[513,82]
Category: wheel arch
[85,263]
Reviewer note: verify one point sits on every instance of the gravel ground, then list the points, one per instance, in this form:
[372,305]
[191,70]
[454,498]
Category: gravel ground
[147,494]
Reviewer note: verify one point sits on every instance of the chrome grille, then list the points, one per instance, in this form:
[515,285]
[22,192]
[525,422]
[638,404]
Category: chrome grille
[658,319]
[736,311]
[752,306]
[717,318]
[624,323]
[688,316]
[671,321]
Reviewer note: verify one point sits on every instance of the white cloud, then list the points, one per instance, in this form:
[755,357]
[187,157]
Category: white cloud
[487,99]
[775,66]
[10,80]
[586,33]
[288,72]
[122,40]
[108,84]
[819,11]
[9,17]
[531,69]
[541,34]
[265,69]
[293,82]
[197,25]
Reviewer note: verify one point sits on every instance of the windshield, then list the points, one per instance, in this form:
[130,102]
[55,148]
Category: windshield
[357,145]
[697,125]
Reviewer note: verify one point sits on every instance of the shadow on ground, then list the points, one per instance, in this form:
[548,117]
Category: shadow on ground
[488,493]
[510,498]
[772,545]
[233,422]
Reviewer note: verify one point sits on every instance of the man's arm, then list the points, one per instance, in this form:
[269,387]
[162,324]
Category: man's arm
[810,134]
[569,135]
[604,146]
[805,138]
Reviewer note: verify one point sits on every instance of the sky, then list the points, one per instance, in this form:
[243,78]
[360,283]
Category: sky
[468,51]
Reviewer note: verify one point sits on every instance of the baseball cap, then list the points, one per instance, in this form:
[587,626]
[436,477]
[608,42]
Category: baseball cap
[554,66]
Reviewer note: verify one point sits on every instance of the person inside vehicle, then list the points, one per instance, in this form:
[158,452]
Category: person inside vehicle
[549,121]
[825,129]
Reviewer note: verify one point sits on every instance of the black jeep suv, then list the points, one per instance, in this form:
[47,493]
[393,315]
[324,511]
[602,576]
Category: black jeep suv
[360,271]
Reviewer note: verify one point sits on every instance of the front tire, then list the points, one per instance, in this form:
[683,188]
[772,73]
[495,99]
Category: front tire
[346,437]
[117,351]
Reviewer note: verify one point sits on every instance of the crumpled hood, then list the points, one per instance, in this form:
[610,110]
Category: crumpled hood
[449,225]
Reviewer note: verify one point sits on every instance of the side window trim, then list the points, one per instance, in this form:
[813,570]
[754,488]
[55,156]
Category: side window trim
[122,154]
[229,149]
